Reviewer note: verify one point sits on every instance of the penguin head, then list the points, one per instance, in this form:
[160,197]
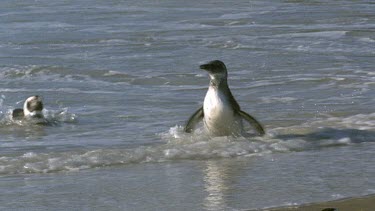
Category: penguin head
[33,107]
[216,69]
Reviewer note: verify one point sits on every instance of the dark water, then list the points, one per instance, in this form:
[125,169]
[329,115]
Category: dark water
[119,79]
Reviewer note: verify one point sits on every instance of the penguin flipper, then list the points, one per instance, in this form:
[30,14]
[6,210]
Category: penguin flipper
[193,120]
[18,113]
[253,122]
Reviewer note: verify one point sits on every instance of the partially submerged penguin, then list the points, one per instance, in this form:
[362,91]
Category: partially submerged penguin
[32,109]
[220,112]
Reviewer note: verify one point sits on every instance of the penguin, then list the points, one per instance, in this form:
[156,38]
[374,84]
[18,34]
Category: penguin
[221,114]
[32,109]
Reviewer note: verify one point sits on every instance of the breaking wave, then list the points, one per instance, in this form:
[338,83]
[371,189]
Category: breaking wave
[330,132]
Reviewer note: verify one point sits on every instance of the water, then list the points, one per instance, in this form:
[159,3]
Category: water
[119,80]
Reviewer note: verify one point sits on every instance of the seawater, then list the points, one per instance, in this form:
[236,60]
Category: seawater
[119,79]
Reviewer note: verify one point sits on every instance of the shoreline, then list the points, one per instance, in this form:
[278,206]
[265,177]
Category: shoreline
[362,203]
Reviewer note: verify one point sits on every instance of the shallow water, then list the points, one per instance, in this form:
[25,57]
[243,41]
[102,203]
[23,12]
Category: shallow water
[119,80]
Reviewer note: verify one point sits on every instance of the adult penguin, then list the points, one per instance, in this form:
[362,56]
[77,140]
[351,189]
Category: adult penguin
[220,112]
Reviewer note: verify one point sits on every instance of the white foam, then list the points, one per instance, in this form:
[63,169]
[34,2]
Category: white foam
[322,34]
[113,41]
[314,135]
[113,73]
[51,117]
[278,99]
[367,40]
[359,122]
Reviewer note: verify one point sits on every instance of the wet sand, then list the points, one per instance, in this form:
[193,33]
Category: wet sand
[366,203]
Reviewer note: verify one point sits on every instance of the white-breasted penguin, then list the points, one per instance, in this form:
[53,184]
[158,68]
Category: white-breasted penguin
[220,112]
[32,109]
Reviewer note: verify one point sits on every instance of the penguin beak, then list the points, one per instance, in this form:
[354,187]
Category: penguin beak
[205,67]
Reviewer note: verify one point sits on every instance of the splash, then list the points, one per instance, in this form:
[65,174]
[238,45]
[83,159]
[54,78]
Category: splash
[51,117]
[314,135]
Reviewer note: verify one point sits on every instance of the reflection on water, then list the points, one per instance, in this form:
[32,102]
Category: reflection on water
[216,177]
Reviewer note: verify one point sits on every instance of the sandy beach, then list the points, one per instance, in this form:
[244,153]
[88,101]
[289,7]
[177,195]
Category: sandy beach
[366,203]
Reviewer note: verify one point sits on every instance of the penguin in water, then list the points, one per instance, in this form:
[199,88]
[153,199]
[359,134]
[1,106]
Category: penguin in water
[220,112]
[32,110]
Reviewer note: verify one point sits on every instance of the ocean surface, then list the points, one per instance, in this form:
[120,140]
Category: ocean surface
[119,79]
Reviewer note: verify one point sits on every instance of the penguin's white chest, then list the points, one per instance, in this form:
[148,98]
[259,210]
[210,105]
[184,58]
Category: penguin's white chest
[219,116]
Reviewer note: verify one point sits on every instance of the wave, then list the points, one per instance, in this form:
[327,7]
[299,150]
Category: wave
[60,74]
[315,135]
